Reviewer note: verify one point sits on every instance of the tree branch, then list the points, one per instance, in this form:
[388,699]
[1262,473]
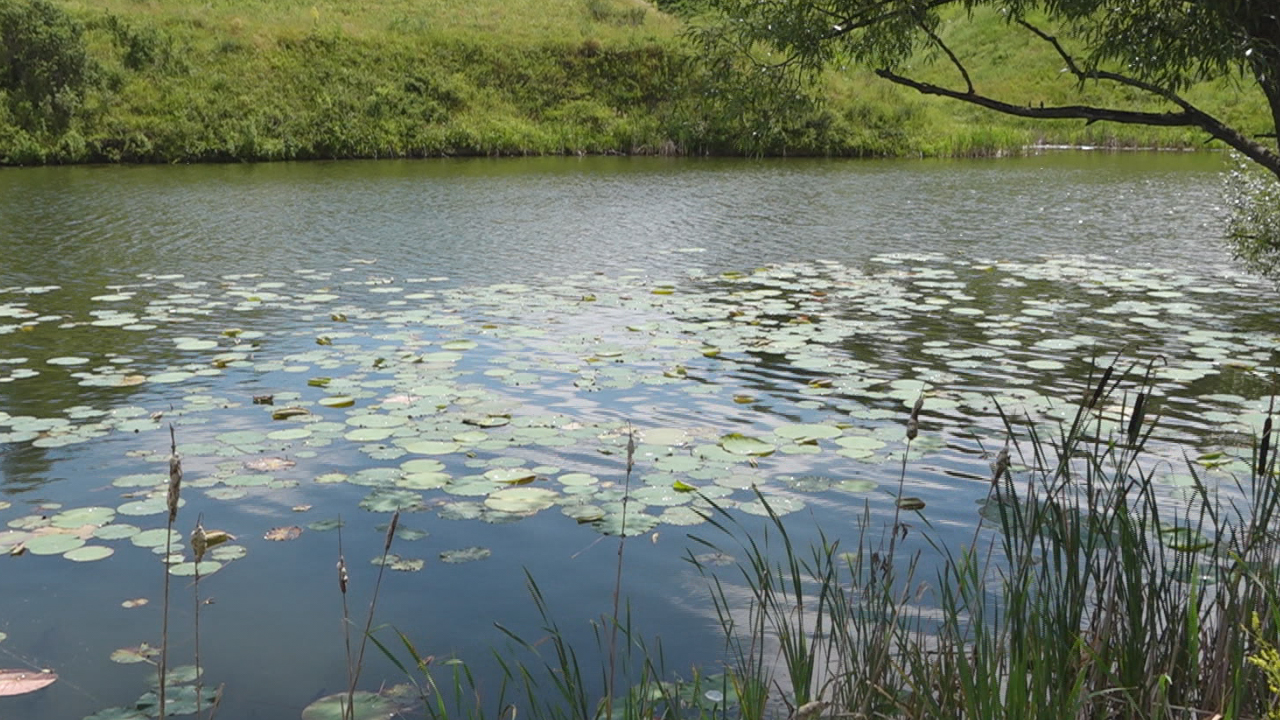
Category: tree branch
[861,20]
[1190,116]
[954,60]
[1096,74]
[1063,112]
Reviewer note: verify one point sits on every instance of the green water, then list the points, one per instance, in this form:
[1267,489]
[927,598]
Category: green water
[489,315]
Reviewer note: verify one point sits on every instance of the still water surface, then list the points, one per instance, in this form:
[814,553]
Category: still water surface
[569,296]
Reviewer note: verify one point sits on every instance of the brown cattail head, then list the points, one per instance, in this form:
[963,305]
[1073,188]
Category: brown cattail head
[631,448]
[175,485]
[1001,465]
[342,575]
[915,409]
[175,475]
[199,542]
[1135,420]
[391,531]
[913,428]
[1264,449]
[1102,385]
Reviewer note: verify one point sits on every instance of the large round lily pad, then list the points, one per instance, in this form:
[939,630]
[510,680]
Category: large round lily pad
[364,706]
[740,444]
[524,500]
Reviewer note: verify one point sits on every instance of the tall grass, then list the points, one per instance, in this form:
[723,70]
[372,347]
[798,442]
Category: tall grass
[1096,597]
[1085,592]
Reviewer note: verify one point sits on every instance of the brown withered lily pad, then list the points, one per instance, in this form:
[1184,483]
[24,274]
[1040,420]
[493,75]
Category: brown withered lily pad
[290,532]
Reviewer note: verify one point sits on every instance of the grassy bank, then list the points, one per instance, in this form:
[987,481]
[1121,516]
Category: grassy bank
[179,81]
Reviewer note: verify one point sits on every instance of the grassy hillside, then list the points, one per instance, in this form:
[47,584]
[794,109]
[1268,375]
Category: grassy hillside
[180,80]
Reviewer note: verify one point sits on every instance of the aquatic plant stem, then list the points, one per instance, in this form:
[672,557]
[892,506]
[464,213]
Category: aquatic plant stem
[346,614]
[199,544]
[617,582]
[171,500]
[349,711]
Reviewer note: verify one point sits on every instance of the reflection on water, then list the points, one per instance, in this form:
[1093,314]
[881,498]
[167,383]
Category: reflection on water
[573,296]
[480,221]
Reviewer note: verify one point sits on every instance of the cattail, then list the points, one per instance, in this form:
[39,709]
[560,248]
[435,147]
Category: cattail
[631,448]
[175,484]
[391,531]
[175,475]
[199,542]
[342,575]
[1264,448]
[1102,385]
[1135,420]
[1001,465]
[913,422]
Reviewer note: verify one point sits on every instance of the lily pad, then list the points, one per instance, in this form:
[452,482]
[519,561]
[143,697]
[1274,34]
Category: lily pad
[53,544]
[179,700]
[634,523]
[388,500]
[88,553]
[21,682]
[364,706]
[96,516]
[130,655]
[188,569]
[115,531]
[290,532]
[802,433]
[465,555]
[156,538]
[395,562]
[432,447]
[740,444]
[780,505]
[524,500]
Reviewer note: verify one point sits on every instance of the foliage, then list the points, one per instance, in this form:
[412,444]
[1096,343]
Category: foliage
[1147,48]
[414,78]
[1253,229]
[1267,659]
[44,65]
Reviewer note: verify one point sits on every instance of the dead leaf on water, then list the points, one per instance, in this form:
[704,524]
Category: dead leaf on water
[21,682]
[269,464]
[283,533]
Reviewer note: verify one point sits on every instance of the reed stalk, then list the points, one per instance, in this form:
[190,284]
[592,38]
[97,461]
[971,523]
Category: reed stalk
[610,687]
[353,671]
[199,544]
[171,500]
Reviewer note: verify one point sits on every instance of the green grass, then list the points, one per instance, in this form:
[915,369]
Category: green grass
[184,81]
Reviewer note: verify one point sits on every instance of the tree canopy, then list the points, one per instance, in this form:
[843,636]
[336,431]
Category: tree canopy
[1153,48]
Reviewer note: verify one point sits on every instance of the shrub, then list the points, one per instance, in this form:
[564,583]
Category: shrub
[1253,227]
[44,65]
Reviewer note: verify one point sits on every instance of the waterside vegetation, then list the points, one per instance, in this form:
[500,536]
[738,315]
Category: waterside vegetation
[1084,593]
[176,81]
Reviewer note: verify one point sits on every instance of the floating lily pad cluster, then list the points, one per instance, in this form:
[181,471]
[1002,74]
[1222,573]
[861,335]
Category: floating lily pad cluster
[502,401]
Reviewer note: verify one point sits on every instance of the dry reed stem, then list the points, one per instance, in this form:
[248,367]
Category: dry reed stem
[617,582]
[349,710]
[171,501]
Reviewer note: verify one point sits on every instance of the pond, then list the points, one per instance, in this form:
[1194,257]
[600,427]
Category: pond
[472,342]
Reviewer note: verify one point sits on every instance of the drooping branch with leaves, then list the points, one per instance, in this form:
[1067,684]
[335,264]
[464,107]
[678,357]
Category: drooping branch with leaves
[1155,49]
